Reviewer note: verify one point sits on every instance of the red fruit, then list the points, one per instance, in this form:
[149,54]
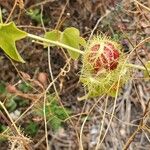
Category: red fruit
[106,58]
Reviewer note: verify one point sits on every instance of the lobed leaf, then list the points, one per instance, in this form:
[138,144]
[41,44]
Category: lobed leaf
[54,35]
[9,34]
[70,36]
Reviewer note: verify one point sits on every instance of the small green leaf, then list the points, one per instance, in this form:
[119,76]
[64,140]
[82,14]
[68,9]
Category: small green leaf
[24,87]
[147,72]
[2,88]
[71,37]
[11,105]
[2,127]
[31,129]
[82,41]
[55,123]
[9,34]
[35,15]
[55,114]
[54,35]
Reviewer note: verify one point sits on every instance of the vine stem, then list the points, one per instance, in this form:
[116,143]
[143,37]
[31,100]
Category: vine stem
[54,43]
[74,49]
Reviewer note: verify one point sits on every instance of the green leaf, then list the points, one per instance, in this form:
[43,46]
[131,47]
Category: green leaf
[9,34]
[55,114]
[24,87]
[147,72]
[55,123]
[31,129]
[2,127]
[11,105]
[71,37]
[82,41]
[2,88]
[54,35]
[35,15]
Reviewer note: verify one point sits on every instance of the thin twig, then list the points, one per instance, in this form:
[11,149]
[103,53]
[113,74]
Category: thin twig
[99,20]
[14,6]
[45,98]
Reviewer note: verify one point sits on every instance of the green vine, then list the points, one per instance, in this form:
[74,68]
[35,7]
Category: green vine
[97,83]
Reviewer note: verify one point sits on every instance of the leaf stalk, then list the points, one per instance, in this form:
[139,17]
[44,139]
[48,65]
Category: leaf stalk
[57,43]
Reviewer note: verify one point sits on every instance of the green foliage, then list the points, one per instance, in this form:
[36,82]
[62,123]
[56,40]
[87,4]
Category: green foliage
[15,102]
[2,128]
[11,105]
[55,114]
[70,36]
[147,72]
[31,128]
[9,34]
[24,87]
[2,88]
[36,16]
[54,35]
[21,102]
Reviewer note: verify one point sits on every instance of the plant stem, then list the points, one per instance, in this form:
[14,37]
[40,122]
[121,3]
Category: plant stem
[74,49]
[137,67]
[54,42]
